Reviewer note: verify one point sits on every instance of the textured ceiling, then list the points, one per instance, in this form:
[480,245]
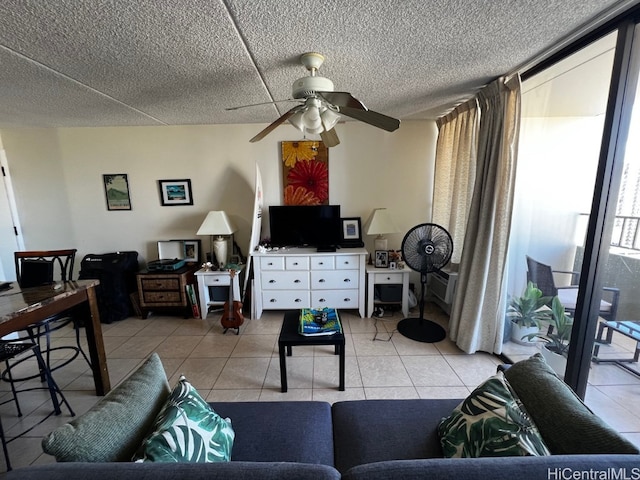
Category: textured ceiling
[176,62]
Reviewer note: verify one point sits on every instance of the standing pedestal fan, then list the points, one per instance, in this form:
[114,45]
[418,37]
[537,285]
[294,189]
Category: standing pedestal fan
[426,248]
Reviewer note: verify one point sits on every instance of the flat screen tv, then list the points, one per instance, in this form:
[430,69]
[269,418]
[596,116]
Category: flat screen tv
[305,226]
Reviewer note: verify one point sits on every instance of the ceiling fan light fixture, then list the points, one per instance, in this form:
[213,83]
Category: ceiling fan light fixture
[311,118]
[329,118]
[296,121]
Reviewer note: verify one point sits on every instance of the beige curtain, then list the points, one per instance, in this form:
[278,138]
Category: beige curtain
[455,172]
[477,318]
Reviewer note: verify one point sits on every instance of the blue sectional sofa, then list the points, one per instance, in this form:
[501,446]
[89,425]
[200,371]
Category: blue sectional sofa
[352,440]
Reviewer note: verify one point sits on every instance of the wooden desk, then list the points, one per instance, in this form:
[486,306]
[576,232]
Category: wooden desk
[22,307]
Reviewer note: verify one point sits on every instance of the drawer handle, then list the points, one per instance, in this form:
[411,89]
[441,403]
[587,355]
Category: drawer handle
[158,284]
[347,280]
[321,280]
[272,281]
[322,300]
[216,279]
[388,278]
[295,263]
[297,300]
[347,299]
[273,300]
[270,263]
[296,281]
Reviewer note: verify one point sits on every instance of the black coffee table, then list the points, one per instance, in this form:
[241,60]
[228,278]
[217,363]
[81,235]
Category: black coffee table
[289,337]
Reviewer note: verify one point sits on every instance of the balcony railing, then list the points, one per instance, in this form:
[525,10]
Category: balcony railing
[625,233]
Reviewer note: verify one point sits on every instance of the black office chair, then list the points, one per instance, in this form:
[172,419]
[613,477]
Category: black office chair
[10,350]
[542,276]
[35,268]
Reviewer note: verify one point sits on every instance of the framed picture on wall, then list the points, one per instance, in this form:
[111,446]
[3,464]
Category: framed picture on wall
[116,190]
[175,192]
[351,232]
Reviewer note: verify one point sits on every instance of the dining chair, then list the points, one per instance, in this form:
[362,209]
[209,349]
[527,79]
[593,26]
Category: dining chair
[542,276]
[45,267]
[10,349]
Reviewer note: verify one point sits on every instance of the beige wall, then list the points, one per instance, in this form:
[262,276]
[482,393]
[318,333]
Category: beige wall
[57,176]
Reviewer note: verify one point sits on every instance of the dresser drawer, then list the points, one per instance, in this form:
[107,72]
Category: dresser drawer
[334,279]
[272,263]
[324,262]
[347,262]
[334,299]
[160,283]
[285,300]
[285,280]
[296,263]
[160,298]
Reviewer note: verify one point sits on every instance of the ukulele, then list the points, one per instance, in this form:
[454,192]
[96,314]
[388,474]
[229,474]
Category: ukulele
[232,316]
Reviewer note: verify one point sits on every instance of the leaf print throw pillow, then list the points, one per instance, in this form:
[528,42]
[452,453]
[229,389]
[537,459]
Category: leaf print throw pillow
[490,422]
[188,430]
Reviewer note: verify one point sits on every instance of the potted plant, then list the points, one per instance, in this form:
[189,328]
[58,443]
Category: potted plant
[556,339]
[526,312]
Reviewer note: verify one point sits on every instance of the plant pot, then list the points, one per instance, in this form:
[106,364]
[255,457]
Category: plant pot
[518,331]
[557,362]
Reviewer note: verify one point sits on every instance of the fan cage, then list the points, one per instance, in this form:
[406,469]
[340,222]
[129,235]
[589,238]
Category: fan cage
[427,248]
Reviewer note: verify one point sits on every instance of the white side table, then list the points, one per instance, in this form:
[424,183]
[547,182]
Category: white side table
[208,280]
[386,276]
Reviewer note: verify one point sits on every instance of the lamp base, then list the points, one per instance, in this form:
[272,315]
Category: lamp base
[220,250]
[380,243]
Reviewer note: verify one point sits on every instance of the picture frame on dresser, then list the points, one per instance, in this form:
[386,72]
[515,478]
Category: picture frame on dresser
[382,259]
[351,232]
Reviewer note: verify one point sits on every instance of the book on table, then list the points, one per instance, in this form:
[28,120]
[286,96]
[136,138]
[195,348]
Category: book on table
[319,321]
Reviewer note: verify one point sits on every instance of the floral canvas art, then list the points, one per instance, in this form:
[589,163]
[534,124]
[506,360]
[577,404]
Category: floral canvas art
[305,173]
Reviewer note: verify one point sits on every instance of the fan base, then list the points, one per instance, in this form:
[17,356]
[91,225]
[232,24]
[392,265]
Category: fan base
[421,330]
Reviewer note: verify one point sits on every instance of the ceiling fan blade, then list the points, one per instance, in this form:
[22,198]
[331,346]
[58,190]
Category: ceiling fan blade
[262,103]
[272,127]
[342,99]
[376,119]
[330,138]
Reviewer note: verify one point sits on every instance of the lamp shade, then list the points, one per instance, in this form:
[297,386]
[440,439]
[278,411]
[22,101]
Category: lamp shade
[216,223]
[380,223]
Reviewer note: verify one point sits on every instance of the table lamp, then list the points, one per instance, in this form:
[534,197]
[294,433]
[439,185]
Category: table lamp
[378,224]
[218,223]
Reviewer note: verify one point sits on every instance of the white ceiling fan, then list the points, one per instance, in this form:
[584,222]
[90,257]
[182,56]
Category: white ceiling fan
[320,106]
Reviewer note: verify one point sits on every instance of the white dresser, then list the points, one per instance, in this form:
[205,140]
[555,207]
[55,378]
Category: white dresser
[295,278]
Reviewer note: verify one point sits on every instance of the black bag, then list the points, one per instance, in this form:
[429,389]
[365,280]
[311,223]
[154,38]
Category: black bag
[117,275]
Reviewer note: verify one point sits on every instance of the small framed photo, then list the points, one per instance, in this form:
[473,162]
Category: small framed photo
[382,259]
[116,190]
[192,251]
[351,233]
[175,192]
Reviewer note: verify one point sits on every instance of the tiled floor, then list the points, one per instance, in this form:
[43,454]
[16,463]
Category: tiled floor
[245,367]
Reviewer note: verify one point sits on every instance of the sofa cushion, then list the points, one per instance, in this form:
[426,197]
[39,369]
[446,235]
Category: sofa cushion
[490,422]
[566,424]
[176,471]
[187,429]
[113,428]
[287,431]
[500,468]
[368,431]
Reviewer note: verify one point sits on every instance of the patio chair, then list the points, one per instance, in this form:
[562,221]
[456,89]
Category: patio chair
[543,277]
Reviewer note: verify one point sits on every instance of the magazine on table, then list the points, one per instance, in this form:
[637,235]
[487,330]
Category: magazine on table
[319,321]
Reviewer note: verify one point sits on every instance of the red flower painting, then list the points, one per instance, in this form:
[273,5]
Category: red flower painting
[305,173]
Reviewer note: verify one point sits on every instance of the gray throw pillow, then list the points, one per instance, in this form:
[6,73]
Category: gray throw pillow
[566,424]
[113,429]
